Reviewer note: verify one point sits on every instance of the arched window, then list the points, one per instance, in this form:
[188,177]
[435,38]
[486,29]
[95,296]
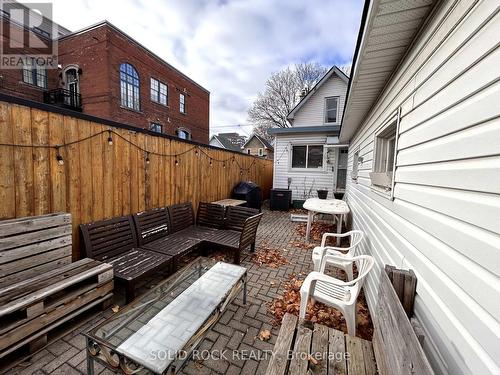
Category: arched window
[129,85]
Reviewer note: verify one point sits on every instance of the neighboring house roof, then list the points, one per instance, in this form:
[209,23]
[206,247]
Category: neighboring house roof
[305,129]
[381,29]
[225,142]
[132,40]
[264,142]
[333,70]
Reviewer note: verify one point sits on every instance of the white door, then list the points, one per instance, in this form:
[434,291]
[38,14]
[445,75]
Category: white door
[331,165]
[341,170]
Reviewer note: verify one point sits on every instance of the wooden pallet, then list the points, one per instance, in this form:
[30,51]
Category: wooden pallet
[39,288]
[307,348]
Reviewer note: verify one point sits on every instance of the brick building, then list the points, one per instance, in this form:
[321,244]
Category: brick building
[105,73]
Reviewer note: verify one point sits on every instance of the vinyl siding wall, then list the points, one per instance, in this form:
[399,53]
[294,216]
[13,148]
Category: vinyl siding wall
[444,221]
[312,112]
[315,179]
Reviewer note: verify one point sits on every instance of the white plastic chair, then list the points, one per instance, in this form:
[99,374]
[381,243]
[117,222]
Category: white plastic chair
[334,292]
[319,252]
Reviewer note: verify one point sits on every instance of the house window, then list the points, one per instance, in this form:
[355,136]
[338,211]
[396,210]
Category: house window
[35,75]
[159,92]
[355,162]
[182,103]
[129,85]
[183,134]
[155,127]
[261,152]
[331,109]
[385,154]
[309,156]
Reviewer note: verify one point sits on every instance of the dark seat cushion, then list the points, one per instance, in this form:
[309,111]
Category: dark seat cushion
[135,263]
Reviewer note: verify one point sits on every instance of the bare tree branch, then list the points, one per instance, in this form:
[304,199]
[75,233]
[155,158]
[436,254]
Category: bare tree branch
[281,94]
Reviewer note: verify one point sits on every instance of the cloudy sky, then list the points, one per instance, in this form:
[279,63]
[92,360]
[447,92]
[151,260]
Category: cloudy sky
[228,46]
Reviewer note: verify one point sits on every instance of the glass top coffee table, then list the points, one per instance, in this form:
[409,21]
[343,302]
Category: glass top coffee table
[157,332]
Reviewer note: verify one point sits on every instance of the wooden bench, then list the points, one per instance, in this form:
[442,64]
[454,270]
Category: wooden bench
[39,286]
[114,241]
[307,348]
[303,347]
[234,230]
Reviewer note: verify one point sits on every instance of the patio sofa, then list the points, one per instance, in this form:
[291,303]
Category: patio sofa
[40,288]
[141,244]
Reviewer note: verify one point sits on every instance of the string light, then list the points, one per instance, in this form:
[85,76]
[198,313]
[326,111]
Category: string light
[59,157]
[110,139]
[197,150]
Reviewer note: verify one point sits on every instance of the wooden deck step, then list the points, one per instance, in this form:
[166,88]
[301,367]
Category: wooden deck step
[306,348]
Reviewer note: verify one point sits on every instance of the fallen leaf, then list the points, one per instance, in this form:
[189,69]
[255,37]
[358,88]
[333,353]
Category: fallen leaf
[311,359]
[115,308]
[264,335]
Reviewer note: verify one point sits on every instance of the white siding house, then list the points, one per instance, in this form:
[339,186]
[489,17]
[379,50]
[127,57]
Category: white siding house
[426,84]
[307,155]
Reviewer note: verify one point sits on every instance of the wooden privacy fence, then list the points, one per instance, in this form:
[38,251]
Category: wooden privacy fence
[94,178]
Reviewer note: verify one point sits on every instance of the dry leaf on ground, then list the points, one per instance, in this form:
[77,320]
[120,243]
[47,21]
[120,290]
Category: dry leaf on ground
[115,308]
[270,257]
[265,335]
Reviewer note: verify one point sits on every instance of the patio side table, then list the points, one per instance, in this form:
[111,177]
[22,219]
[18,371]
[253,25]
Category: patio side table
[157,332]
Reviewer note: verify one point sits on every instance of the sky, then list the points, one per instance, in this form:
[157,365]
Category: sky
[230,47]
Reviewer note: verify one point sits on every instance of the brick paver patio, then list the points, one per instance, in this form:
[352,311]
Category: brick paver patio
[236,332]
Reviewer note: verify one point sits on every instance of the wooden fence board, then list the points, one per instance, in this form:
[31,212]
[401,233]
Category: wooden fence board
[98,180]
[23,160]
[7,185]
[41,168]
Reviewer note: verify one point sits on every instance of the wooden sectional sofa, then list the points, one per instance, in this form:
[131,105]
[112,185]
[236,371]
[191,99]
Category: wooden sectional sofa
[140,244]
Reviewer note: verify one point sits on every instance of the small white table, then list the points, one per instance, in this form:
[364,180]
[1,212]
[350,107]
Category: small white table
[336,207]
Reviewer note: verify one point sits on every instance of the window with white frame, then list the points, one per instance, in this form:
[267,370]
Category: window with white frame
[182,103]
[159,92]
[307,156]
[155,127]
[331,109]
[261,152]
[35,75]
[385,154]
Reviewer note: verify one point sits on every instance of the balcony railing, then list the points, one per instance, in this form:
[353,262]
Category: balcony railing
[63,98]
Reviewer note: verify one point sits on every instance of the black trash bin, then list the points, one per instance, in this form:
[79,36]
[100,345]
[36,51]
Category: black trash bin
[248,191]
[280,200]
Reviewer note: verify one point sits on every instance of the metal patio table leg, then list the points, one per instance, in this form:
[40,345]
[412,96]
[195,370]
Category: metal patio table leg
[90,360]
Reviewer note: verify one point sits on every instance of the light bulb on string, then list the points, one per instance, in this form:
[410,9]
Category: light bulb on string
[196,152]
[147,157]
[110,139]
[224,165]
[210,161]
[176,161]
[59,157]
